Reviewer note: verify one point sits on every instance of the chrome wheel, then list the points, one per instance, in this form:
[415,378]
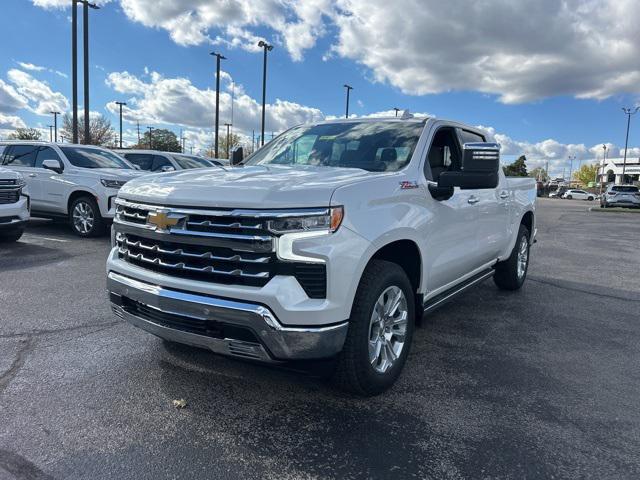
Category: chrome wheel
[83,217]
[387,329]
[523,256]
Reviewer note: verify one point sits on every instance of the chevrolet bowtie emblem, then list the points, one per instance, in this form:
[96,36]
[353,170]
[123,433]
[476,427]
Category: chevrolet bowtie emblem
[163,220]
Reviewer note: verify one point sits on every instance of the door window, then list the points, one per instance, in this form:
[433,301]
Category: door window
[20,156]
[469,137]
[142,160]
[46,153]
[444,154]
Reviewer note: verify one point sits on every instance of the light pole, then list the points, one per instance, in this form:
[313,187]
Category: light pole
[55,125]
[228,125]
[74,69]
[86,5]
[121,104]
[62,138]
[571,159]
[628,112]
[218,58]
[51,133]
[349,88]
[397,110]
[604,161]
[267,48]
[150,137]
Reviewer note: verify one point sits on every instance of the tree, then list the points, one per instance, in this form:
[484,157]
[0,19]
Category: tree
[25,134]
[161,139]
[540,174]
[234,141]
[100,130]
[517,168]
[585,174]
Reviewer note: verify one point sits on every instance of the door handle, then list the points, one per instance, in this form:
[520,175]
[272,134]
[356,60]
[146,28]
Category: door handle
[32,175]
[473,200]
[504,195]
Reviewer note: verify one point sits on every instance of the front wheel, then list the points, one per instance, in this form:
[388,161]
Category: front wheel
[85,217]
[511,273]
[590,199]
[380,331]
[569,197]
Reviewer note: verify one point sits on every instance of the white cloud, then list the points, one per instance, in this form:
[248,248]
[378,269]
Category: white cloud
[11,121]
[31,66]
[176,101]
[10,99]
[42,99]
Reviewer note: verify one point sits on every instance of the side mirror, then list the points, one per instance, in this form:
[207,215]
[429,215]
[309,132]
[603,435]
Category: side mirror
[237,155]
[167,168]
[53,165]
[480,167]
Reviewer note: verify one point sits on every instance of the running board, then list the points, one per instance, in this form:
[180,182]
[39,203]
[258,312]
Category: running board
[439,300]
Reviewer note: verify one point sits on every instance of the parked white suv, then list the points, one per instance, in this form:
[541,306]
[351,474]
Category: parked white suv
[578,195]
[14,205]
[330,241]
[78,182]
[155,161]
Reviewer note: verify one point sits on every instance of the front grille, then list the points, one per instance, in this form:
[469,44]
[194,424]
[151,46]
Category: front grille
[5,182]
[9,195]
[222,246]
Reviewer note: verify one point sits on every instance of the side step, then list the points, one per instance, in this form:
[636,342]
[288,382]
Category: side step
[439,300]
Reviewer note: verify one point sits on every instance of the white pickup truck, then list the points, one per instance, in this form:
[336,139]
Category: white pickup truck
[329,242]
[14,205]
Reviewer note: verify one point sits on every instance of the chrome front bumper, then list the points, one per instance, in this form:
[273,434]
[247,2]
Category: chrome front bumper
[164,312]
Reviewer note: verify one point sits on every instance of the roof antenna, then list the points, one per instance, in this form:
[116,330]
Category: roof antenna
[406,115]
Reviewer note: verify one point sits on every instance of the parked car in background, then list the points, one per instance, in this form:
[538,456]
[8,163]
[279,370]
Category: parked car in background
[77,182]
[578,195]
[329,242]
[621,196]
[14,205]
[155,161]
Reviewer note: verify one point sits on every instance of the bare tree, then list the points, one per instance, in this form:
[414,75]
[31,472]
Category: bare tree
[25,134]
[100,130]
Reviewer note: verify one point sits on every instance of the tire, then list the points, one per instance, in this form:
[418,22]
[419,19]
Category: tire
[355,371]
[85,218]
[569,197]
[590,199]
[12,236]
[508,275]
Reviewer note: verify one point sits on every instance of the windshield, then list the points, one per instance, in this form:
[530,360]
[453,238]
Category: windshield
[190,161]
[93,158]
[625,189]
[372,146]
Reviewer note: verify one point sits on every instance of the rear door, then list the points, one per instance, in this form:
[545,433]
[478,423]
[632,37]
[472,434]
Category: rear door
[493,211]
[22,158]
[143,160]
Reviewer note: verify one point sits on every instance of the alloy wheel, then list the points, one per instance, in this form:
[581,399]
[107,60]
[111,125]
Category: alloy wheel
[388,328]
[83,217]
[523,256]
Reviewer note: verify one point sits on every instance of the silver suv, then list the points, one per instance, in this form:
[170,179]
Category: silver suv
[621,196]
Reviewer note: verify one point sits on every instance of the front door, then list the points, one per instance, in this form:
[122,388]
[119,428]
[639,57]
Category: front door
[52,185]
[22,158]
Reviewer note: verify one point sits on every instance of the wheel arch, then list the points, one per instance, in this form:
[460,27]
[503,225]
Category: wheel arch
[528,220]
[77,194]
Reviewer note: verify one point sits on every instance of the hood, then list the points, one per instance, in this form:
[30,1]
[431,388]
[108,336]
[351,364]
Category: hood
[6,174]
[120,173]
[244,187]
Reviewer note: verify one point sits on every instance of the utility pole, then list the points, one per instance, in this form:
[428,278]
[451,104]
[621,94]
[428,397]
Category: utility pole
[150,138]
[218,58]
[55,125]
[267,48]
[349,88]
[571,159]
[74,69]
[121,104]
[228,125]
[397,110]
[85,18]
[628,112]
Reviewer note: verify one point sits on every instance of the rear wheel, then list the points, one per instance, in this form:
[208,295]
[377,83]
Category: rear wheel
[569,197]
[590,199]
[85,217]
[12,236]
[380,331]
[511,273]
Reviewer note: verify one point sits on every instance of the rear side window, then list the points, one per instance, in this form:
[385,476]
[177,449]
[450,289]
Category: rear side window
[46,153]
[142,160]
[20,156]
[625,189]
[159,162]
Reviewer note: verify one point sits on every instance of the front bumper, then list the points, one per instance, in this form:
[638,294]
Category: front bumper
[14,216]
[227,327]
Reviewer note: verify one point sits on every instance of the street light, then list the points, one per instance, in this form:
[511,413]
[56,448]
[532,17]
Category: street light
[397,110]
[86,5]
[51,133]
[628,112]
[218,58]
[228,125]
[121,104]
[267,48]
[349,88]
[150,138]
[571,159]
[604,161]
[55,124]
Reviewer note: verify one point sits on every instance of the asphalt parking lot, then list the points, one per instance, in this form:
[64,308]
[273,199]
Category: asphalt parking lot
[542,383]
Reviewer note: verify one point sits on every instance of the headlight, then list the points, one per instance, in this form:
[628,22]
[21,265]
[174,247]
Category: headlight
[109,183]
[328,221]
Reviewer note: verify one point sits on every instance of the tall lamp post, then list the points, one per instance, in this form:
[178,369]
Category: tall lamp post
[121,104]
[228,125]
[74,70]
[628,112]
[218,58]
[397,110]
[55,125]
[604,161]
[349,88]
[571,159]
[267,48]
[85,19]
[150,137]
[51,133]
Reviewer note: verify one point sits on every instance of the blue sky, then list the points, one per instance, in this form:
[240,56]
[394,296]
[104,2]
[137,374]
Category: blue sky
[311,77]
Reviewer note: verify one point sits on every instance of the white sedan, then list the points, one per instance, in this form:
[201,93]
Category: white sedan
[578,195]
